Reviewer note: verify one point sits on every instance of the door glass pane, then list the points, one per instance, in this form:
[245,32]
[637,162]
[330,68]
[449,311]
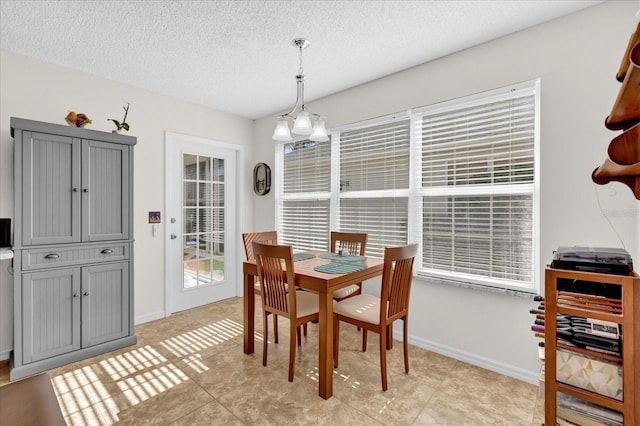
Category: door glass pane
[189,244]
[189,166]
[190,196]
[204,168]
[218,170]
[203,208]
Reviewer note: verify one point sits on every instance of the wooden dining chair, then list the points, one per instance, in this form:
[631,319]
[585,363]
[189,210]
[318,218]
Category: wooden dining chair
[269,237]
[377,314]
[276,271]
[348,243]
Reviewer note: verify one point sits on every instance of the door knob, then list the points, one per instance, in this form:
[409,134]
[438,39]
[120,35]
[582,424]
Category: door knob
[174,236]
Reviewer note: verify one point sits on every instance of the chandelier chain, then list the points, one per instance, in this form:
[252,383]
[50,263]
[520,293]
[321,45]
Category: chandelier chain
[300,69]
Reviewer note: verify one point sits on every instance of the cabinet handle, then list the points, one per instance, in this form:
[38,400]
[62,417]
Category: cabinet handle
[76,295]
[75,190]
[86,293]
[52,256]
[107,251]
[85,190]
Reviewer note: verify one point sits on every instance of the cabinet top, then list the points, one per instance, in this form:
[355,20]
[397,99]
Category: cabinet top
[76,132]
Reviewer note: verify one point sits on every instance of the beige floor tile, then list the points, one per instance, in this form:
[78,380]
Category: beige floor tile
[212,413]
[190,369]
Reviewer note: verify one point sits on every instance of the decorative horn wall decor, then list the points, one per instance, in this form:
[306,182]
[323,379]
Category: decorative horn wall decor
[624,64]
[625,148]
[626,109]
[623,164]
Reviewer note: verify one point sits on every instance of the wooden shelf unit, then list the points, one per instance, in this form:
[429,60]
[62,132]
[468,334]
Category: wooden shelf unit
[628,317]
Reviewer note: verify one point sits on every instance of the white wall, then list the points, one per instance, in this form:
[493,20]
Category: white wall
[576,58]
[40,91]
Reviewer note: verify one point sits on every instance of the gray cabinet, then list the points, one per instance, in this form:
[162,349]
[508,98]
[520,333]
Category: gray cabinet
[73,189]
[73,308]
[73,280]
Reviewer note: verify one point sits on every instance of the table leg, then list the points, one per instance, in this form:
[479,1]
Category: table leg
[325,358]
[249,313]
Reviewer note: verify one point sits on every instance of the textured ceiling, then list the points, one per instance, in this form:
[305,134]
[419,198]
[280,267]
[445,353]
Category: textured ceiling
[236,56]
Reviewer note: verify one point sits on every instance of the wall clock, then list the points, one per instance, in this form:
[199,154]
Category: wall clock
[261,179]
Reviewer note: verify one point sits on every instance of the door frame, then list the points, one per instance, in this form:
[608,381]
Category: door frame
[173,137]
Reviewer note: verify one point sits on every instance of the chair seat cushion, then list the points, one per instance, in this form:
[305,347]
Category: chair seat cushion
[344,292]
[307,303]
[256,286]
[363,307]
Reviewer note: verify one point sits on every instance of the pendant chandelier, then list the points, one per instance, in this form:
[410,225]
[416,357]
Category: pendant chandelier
[304,123]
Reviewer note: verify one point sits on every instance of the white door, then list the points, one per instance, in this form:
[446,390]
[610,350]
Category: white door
[201,221]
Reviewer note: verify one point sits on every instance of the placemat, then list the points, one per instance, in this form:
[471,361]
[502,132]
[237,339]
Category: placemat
[302,256]
[342,258]
[339,268]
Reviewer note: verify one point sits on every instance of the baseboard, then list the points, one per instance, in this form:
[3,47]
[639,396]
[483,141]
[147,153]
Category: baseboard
[470,358]
[5,355]
[149,317]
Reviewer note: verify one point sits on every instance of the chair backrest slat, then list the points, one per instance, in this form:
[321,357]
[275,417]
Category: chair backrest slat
[276,270]
[350,242]
[396,280]
[269,237]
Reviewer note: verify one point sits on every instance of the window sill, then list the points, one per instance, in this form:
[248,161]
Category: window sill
[524,293]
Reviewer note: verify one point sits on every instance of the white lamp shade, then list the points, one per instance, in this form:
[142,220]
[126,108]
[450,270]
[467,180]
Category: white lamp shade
[281,132]
[319,132]
[302,125]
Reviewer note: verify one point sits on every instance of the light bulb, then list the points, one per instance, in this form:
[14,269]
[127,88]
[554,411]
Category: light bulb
[302,125]
[281,132]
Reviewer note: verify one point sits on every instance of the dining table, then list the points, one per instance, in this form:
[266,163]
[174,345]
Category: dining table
[309,276]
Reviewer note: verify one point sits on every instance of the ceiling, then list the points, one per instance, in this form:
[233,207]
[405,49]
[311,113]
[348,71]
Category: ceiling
[237,57]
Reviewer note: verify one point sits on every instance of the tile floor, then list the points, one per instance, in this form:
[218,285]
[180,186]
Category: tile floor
[189,369]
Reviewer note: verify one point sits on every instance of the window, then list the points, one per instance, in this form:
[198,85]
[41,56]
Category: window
[458,177]
[373,193]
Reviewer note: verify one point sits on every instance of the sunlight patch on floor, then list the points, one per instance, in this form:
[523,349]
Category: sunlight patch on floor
[207,336]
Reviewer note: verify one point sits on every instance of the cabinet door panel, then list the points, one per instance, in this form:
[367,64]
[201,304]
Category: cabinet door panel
[105,183]
[51,313]
[51,181]
[105,303]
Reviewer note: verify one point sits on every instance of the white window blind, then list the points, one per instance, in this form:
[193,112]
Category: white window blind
[477,164]
[383,219]
[375,158]
[303,197]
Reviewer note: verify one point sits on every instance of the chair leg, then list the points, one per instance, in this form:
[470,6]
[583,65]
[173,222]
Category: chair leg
[298,335]
[336,341]
[390,336]
[364,340]
[292,350]
[275,328]
[405,333]
[265,338]
[383,358]
[304,328]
